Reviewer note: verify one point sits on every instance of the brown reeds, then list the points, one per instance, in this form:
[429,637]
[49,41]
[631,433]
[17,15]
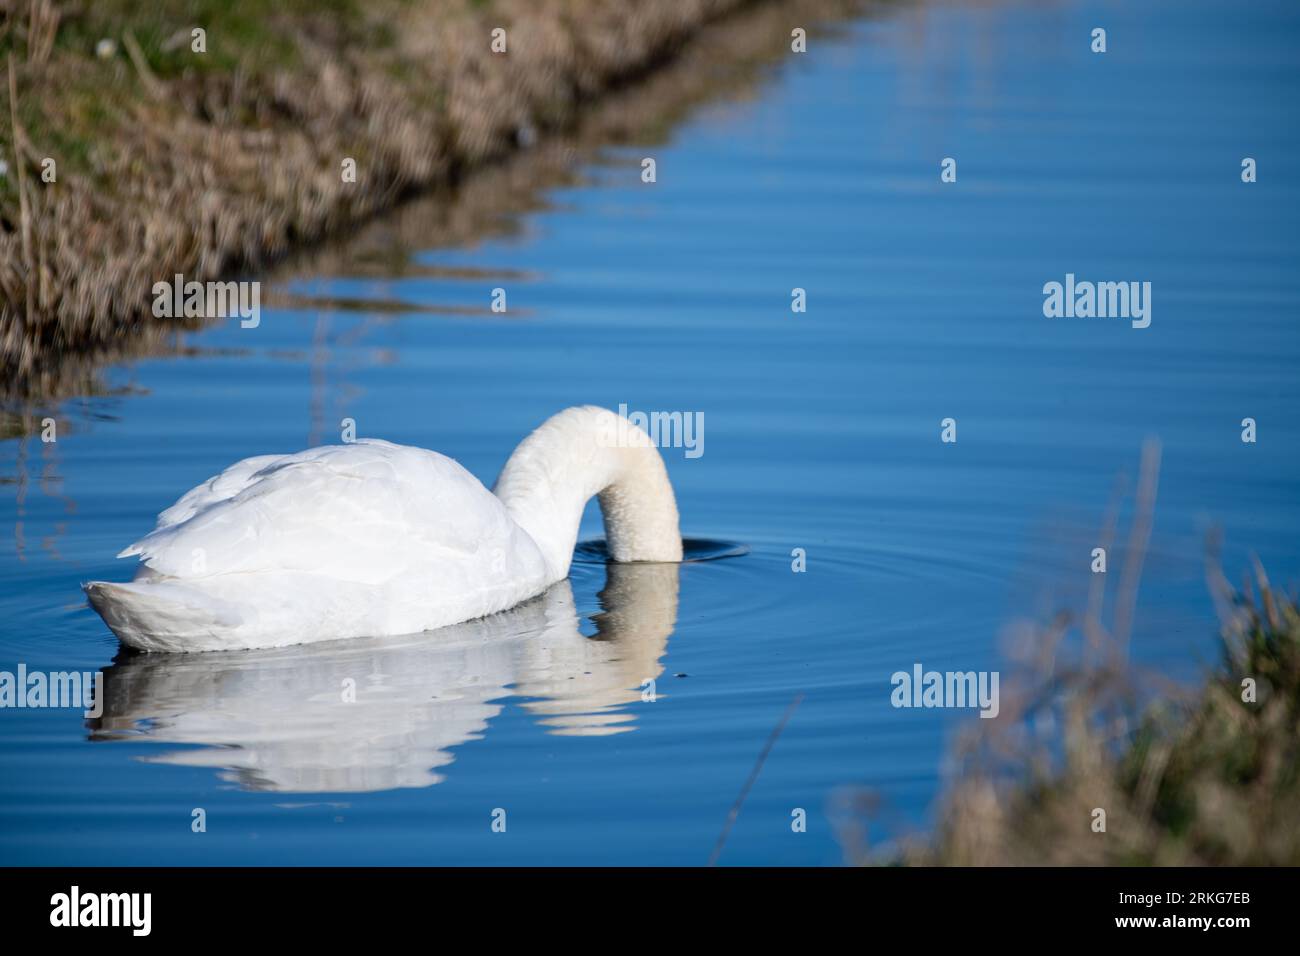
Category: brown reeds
[1093,761]
[216,164]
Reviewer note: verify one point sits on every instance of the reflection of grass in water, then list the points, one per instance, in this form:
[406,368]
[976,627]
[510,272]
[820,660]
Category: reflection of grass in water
[1204,776]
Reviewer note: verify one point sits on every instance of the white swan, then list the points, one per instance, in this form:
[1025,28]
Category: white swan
[376,539]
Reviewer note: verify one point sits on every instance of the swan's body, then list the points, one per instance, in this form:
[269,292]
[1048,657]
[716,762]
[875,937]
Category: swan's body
[375,539]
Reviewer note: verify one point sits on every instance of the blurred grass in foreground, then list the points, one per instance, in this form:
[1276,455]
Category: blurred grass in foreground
[1208,775]
[1206,778]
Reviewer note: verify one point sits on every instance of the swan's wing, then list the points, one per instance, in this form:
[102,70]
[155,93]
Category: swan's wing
[225,485]
[359,512]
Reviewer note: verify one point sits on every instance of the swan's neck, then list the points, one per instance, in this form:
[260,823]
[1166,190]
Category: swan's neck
[578,453]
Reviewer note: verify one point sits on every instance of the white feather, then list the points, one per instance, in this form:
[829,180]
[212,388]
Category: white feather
[372,538]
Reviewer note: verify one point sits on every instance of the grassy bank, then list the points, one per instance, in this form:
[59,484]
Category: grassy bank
[1095,761]
[218,162]
[1205,776]
[729,59]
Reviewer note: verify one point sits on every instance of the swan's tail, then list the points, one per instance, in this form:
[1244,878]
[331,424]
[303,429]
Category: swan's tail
[161,615]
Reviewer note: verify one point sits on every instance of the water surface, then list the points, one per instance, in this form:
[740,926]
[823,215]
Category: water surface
[822,433]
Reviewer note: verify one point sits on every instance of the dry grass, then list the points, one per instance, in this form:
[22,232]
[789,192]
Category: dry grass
[1199,777]
[214,164]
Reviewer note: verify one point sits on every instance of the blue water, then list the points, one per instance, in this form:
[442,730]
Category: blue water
[822,433]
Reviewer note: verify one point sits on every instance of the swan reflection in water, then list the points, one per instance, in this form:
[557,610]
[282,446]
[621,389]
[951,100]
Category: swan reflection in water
[278,720]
